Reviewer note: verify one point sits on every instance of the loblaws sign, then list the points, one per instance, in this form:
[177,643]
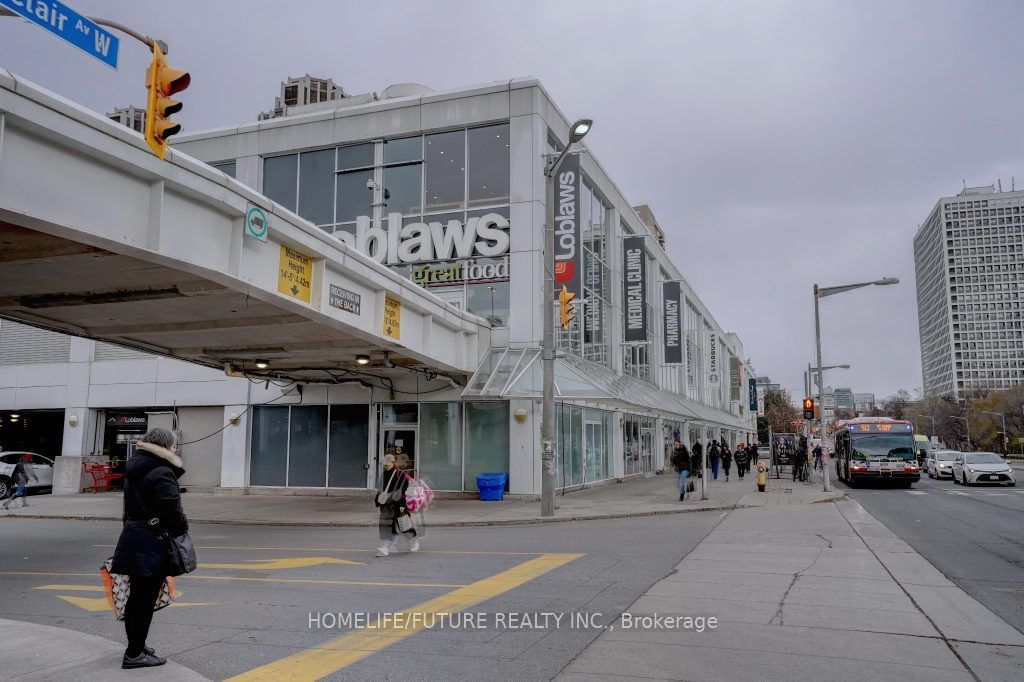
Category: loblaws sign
[395,244]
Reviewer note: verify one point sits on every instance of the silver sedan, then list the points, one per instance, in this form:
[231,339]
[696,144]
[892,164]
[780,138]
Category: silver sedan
[940,463]
[971,468]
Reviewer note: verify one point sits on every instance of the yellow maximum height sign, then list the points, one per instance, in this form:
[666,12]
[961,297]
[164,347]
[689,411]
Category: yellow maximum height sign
[392,317]
[295,274]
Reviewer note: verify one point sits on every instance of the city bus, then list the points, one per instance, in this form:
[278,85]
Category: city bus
[876,449]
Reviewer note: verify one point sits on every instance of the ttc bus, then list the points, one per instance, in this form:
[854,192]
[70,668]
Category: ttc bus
[876,449]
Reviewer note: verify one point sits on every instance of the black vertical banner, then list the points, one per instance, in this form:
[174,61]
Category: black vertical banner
[634,278]
[568,231]
[672,336]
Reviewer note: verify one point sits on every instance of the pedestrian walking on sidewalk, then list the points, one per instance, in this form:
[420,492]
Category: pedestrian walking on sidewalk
[152,511]
[681,463]
[21,475]
[753,454]
[742,460]
[726,459]
[696,456]
[714,458]
[394,515]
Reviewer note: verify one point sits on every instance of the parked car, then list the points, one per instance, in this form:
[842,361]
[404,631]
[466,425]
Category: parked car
[970,468]
[940,463]
[42,466]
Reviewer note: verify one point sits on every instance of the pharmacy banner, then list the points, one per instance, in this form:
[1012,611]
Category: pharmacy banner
[634,276]
[714,372]
[735,377]
[568,232]
[671,302]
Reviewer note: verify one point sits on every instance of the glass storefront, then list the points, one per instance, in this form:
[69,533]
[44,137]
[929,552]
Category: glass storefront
[582,439]
[638,444]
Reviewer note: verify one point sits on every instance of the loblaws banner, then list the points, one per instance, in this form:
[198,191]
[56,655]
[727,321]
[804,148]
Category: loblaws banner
[735,377]
[672,337]
[568,232]
[634,276]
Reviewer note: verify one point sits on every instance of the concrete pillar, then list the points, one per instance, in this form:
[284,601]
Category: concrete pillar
[523,446]
[235,443]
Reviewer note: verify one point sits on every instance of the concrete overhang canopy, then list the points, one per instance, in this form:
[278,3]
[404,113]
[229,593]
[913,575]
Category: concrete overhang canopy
[101,239]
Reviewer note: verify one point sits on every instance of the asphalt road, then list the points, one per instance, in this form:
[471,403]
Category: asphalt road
[249,604]
[974,535]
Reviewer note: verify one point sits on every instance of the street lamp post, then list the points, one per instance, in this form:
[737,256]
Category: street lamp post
[819,293]
[967,423]
[547,427]
[1003,418]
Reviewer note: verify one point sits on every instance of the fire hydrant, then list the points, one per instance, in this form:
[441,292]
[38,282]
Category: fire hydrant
[760,478]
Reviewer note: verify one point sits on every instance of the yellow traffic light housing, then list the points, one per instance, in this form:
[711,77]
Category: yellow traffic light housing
[809,408]
[162,81]
[565,298]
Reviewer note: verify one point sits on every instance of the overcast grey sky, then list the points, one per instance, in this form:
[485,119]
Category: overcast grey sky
[779,143]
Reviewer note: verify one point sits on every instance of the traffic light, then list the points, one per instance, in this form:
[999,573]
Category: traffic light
[162,81]
[565,298]
[808,408]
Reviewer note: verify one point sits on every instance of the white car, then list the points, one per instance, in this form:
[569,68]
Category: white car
[42,466]
[940,463]
[982,467]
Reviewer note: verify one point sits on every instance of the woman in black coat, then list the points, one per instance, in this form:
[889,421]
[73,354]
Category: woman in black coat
[726,459]
[390,500]
[152,509]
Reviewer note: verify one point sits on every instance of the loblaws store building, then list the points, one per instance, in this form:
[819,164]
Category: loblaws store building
[448,190]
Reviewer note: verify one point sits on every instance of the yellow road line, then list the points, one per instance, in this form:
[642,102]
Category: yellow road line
[71,588]
[345,650]
[342,549]
[300,581]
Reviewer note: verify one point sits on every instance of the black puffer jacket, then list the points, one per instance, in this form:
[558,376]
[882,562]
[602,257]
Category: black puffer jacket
[150,492]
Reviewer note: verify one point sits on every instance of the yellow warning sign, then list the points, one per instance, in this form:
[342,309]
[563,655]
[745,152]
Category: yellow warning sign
[392,317]
[295,274]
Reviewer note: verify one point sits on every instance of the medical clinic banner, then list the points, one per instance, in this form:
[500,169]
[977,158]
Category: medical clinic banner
[568,236]
[672,337]
[634,277]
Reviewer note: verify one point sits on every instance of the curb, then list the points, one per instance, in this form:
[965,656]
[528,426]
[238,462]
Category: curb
[447,524]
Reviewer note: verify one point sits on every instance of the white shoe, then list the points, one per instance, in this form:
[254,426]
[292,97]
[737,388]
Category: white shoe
[382,551]
[414,545]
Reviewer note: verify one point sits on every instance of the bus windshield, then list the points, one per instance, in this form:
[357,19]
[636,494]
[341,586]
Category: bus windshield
[899,445]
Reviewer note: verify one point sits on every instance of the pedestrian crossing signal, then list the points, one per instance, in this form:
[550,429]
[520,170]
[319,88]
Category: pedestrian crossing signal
[809,408]
[162,81]
[565,298]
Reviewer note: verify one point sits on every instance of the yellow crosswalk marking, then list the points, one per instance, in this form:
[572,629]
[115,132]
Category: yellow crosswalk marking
[97,604]
[345,650]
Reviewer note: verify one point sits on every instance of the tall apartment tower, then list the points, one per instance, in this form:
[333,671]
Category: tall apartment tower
[969,262]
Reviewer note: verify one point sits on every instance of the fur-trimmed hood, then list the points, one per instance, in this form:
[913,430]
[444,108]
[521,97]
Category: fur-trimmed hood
[162,453]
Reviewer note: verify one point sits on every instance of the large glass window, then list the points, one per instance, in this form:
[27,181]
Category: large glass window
[488,165]
[349,437]
[440,458]
[354,199]
[280,179]
[316,186]
[403,189]
[225,167]
[490,300]
[307,447]
[444,171]
[486,440]
[269,460]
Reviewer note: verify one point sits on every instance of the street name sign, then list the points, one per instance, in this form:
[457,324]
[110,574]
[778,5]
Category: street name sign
[70,26]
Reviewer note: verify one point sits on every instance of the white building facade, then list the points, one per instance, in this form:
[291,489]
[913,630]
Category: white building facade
[969,263]
[446,189]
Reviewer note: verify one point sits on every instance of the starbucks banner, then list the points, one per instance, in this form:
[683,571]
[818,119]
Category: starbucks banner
[714,373]
[672,337]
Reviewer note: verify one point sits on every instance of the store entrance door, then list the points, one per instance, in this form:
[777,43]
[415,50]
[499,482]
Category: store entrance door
[593,436]
[399,441]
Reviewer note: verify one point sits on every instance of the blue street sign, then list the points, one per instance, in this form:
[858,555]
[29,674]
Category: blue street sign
[69,25]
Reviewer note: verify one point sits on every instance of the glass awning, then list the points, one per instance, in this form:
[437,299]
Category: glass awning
[518,373]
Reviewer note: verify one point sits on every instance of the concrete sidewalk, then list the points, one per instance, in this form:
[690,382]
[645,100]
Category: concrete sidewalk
[40,652]
[808,593]
[635,497]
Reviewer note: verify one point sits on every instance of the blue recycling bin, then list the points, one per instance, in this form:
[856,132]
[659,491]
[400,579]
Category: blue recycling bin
[492,486]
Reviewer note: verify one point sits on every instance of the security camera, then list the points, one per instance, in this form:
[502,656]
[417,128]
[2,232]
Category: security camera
[371,185]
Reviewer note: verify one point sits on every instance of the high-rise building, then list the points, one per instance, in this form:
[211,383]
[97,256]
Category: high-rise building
[863,403]
[844,399]
[969,262]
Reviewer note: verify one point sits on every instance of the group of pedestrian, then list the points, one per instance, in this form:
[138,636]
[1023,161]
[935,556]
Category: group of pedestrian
[688,464]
